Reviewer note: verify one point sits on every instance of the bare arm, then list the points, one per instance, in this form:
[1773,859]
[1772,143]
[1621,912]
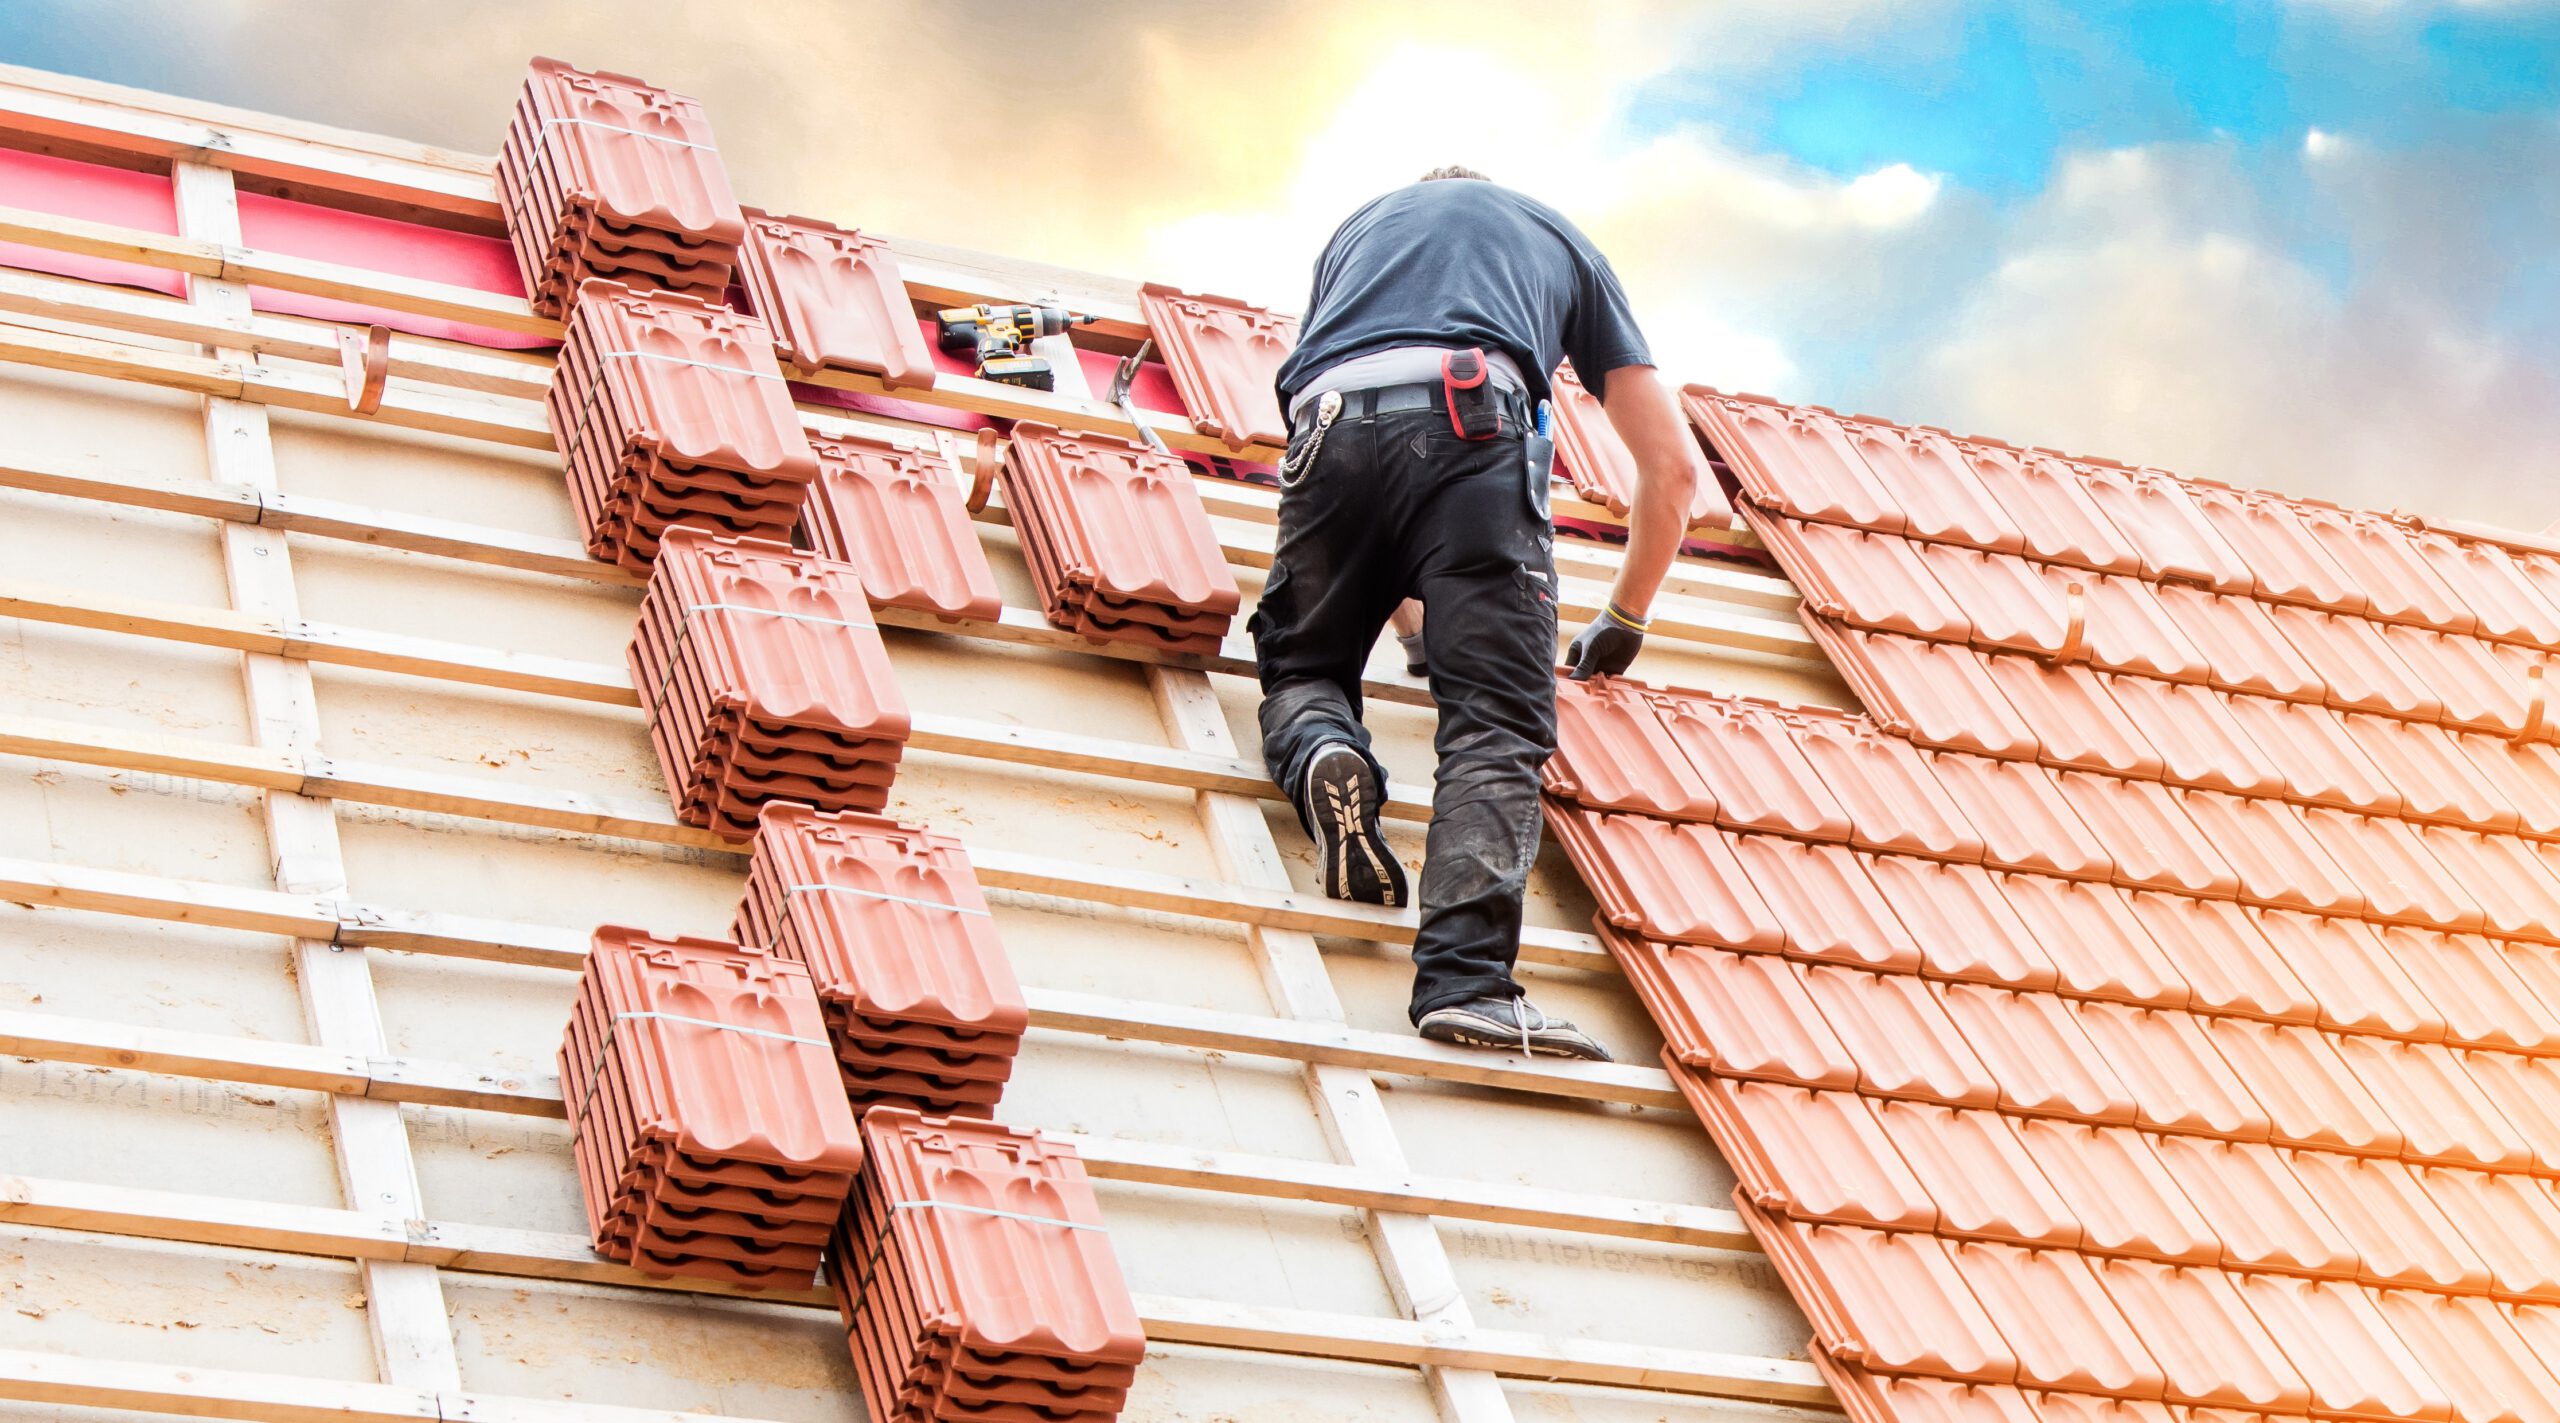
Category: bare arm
[1641,410]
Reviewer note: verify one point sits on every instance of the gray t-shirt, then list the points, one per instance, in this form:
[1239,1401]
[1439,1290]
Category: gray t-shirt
[1458,263]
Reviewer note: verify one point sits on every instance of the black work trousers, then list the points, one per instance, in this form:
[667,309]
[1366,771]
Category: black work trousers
[1395,506]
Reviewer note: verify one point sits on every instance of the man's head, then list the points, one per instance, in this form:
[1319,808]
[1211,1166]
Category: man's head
[1453,171]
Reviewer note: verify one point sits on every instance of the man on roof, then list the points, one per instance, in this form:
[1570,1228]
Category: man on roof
[1418,468]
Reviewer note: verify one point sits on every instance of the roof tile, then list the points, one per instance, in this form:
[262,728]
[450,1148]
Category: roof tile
[2357,668]
[1868,580]
[2244,650]
[2397,583]
[2309,747]
[1900,1038]
[2262,1213]
[900,518]
[2267,532]
[1796,461]
[1879,1398]
[1979,1173]
[1613,753]
[2490,582]
[2176,1077]
[2199,741]
[2442,1114]
[2228,966]
[1120,543]
[1224,356]
[2273,852]
[1886,786]
[2074,721]
[2481,684]
[2510,1218]
[2360,984]
[2402,883]
[2098,947]
[2024,821]
[2335,1337]
[2125,1200]
[2178,544]
[1590,453]
[2536,966]
[1887,1300]
[2523,774]
[2045,1065]
[2097,1408]
[834,299]
[1933,483]
[2435,780]
[2009,601]
[2311,1097]
[1935,693]
[2060,1323]
[2475,1354]
[1815,1156]
[1678,882]
[2153,842]
[2506,876]
[2470,982]
[1739,1015]
[1760,779]
[1965,928]
[2209,1348]
[2398,1233]
[2050,503]
[1831,910]
[2129,629]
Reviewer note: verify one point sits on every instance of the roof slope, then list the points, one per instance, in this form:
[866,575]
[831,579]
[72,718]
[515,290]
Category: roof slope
[2156,1001]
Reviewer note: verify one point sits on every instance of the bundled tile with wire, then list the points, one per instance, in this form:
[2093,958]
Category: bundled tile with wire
[920,1000]
[1118,541]
[669,411]
[602,175]
[977,1280]
[764,679]
[712,1139]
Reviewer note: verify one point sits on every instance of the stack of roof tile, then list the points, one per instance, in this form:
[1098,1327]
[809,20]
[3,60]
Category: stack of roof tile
[1598,463]
[2154,1005]
[976,1279]
[900,516]
[920,999]
[1118,541]
[604,176]
[1225,358]
[834,300]
[712,1139]
[670,411]
[764,679]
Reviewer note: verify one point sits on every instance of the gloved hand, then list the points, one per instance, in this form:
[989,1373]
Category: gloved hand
[1605,649]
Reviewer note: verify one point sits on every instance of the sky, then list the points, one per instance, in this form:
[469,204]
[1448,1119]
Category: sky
[2309,245]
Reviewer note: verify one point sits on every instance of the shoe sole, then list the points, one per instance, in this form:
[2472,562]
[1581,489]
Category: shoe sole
[1464,1038]
[1341,795]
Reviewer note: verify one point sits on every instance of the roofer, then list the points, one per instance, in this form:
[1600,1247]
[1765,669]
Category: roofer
[1414,471]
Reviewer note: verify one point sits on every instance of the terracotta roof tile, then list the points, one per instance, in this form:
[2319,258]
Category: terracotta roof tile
[2398,1233]
[2059,1321]
[2286,561]
[1118,540]
[1613,753]
[2129,629]
[2244,650]
[1881,1398]
[1888,788]
[2199,741]
[1798,462]
[1590,453]
[2350,1356]
[2442,1114]
[2536,966]
[2177,542]
[1964,925]
[2510,1218]
[2493,585]
[2024,821]
[1932,482]
[902,519]
[2125,1200]
[2176,1077]
[2481,684]
[2522,774]
[1900,1038]
[2310,748]
[2435,780]
[1735,1014]
[2397,583]
[1885,1300]
[2272,851]
[2034,1048]
[1816,1156]
[2207,1345]
[1224,356]
[1832,912]
[2009,602]
[1677,882]
[2075,722]
[2401,881]
[1869,580]
[2262,1213]
[2098,1408]
[2510,881]
[2098,947]
[2359,983]
[2356,666]
[1742,749]
[2050,503]
[2472,1350]
[2312,1098]
[2226,964]
[834,299]
[1933,692]
[2148,836]
[1985,1184]
[2470,981]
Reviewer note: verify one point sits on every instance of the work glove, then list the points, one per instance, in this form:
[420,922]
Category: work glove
[1605,649]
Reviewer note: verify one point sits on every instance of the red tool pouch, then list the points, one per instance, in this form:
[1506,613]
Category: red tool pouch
[1466,379]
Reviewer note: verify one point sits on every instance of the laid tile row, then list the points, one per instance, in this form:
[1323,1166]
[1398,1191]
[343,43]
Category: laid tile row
[1769,1018]
[1821,1155]
[1811,464]
[1596,461]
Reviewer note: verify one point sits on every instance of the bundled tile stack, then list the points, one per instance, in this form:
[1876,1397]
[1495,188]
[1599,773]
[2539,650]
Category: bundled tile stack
[764,679]
[1118,541]
[976,1279]
[712,1141]
[901,517]
[667,411]
[604,176]
[920,1000]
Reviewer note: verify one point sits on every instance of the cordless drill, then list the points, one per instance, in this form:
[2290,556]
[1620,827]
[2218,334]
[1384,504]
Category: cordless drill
[998,333]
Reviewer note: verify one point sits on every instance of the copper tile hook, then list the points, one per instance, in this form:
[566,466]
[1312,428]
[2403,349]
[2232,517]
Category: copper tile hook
[2075,627]
[2537,708]
[986,471]
[365,363]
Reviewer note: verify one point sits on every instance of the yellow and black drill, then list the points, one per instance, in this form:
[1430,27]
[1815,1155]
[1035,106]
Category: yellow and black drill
[998,333]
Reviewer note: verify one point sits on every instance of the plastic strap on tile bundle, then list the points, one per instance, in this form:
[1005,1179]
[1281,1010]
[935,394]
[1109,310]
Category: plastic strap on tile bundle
[603,176]
[1118,541]
[667,412]
[729,1164]
[901,517]
[751,702]
[919,997]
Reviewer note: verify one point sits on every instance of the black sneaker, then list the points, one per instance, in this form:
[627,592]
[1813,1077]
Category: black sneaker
[1341,800]
[1514,1024]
